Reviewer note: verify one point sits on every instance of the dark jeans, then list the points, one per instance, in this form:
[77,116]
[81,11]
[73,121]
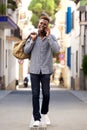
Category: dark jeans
[36,79]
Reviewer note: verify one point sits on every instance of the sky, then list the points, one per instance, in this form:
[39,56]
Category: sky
[25,3]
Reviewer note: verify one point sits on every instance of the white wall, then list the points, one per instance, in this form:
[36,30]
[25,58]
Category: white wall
[75,49]
[9,60]
[1,53]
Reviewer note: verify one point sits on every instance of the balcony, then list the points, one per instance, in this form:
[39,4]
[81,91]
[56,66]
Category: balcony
[82,5]
[6,21]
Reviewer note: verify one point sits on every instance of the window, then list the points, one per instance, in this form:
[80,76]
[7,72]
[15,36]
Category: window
[72,20]
[77,61]
[0,56]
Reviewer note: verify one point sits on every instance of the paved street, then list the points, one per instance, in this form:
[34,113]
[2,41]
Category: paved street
[68,110]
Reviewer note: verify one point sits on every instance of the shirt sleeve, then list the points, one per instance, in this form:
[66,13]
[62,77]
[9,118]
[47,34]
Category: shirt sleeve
[28,46]
[53,43]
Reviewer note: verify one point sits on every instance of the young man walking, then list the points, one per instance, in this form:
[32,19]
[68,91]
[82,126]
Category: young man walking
[41,45]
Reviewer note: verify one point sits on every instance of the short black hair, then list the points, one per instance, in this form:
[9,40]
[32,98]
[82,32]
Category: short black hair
[45,18]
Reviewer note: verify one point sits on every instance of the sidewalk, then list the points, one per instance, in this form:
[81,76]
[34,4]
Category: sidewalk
[4,93]
[82,95]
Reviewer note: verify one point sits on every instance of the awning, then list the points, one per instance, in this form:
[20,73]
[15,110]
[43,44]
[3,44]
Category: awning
[7,23]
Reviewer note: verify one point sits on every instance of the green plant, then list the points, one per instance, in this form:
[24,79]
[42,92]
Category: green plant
[9,6]
[9,1]
[84,64]
[43,7]
[76,1]
[12,5]
[2,9]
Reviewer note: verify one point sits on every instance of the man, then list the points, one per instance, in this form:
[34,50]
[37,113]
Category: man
[41,46]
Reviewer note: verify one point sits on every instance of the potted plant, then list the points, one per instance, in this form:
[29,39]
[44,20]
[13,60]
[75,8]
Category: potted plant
[12,5]
[84,65]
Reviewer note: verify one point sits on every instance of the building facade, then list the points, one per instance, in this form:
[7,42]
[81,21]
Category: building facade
[9,33]
[83,41]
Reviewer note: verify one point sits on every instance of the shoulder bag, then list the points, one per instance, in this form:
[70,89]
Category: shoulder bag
[18,50]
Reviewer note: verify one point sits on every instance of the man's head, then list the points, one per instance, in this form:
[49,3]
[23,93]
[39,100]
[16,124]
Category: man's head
[45,18]
[43,25]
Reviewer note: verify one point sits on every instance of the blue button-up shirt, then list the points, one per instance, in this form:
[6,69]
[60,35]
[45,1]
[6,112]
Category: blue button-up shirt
[41,54]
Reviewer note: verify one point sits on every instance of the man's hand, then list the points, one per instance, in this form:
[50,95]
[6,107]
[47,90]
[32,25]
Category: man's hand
[47,32]
[33,36]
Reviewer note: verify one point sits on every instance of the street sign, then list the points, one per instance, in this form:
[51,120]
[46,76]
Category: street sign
[62,58]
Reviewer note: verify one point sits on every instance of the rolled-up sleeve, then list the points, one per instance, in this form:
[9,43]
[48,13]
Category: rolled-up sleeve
[28,46]
[53,43]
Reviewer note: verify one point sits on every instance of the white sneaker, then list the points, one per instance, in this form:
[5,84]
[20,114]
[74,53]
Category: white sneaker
[46,119]
[36,123]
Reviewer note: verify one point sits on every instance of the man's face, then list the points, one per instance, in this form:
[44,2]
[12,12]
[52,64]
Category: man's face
[43,24]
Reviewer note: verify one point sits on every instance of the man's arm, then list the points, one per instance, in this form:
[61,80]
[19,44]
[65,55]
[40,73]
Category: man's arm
[28,46]
[53,43]
[30,43]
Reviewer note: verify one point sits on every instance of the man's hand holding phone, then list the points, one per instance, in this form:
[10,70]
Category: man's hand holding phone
[47,32]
